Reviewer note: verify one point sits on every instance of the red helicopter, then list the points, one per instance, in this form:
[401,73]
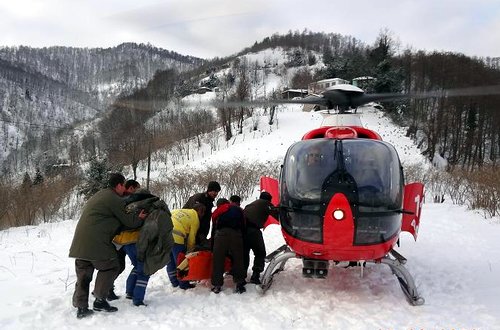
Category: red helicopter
[343,199]
[341,194]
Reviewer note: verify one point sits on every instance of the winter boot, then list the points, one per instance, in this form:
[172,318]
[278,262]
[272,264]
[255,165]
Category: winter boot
[83,312]
[129,296]
[186,286]
[139,303]
[240,288]
[255,279]
[216,289]
[102,305]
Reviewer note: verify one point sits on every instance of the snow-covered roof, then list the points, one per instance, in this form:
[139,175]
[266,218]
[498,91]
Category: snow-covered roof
[330,80]
[295,90]
[346,87]
[364,78]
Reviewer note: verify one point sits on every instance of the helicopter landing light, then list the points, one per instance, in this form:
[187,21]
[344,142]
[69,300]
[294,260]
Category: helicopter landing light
[338,214]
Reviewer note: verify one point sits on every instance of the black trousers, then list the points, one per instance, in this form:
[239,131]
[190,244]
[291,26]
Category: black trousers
[121,260]
[254,241]
[106,274]
[227,241]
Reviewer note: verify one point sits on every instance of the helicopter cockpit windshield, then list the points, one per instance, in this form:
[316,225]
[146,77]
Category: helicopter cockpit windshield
[368,172]
[373,165]
[307,165]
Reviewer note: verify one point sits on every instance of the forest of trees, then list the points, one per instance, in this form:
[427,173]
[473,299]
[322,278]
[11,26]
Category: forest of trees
[43,89]
[465,130]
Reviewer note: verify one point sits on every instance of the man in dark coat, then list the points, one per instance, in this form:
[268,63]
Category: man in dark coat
[207,198]
[256,214]
[229,224]
[102,217]
[130,187]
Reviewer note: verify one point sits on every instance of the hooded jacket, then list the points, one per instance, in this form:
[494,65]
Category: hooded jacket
[155,238]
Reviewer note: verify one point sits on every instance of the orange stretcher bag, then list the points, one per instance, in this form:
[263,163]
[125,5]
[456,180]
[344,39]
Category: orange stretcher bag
[197,266]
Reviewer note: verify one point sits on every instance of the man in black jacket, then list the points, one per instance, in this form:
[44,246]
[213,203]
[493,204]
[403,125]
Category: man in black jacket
[229,224]
[256,214]
[207,198]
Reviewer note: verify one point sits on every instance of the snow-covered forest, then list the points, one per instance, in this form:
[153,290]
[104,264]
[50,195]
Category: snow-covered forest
[49,90]
[60,119]
[455,262]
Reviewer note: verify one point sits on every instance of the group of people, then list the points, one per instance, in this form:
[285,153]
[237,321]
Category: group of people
[126,220]
[236,232]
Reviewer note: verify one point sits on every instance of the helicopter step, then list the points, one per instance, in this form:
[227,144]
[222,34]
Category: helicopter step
[274,253]
[398,256]
[404,277]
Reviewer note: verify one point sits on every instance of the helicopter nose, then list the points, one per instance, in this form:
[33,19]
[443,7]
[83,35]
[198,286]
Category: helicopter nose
[338,230]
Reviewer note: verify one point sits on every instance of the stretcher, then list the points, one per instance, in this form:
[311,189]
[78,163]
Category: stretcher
[197,266]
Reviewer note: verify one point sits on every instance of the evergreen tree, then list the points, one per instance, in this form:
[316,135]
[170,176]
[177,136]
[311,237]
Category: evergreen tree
[27,182]
[327,54]
[95,177]
[311,59]
[38,177]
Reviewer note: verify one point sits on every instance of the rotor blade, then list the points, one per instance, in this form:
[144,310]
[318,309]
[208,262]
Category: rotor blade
[455,92]
[467,91]
[331,99]
[367,98]
[266,102]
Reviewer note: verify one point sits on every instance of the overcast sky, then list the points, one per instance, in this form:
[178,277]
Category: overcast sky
[206,28]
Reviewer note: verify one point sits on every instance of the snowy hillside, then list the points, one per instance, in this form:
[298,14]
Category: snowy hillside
[455,263]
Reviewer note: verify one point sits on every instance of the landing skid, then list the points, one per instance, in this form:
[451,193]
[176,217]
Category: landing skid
[405,279]
[278,259]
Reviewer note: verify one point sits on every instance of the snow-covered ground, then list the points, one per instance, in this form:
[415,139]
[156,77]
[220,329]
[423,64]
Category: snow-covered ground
[455,263]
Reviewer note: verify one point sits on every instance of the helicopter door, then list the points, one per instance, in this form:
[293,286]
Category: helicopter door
[413,199]
[271,186]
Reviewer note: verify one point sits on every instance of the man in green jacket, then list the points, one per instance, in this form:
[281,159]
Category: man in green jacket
[102,218]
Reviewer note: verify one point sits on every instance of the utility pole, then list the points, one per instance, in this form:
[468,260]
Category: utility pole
[151,138]
[149,164]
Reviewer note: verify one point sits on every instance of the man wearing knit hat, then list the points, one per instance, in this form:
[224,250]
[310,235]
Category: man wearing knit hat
[256,214]
[206,198]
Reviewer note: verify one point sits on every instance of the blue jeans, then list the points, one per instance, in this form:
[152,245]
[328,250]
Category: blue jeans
[172,266]
[137,281]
